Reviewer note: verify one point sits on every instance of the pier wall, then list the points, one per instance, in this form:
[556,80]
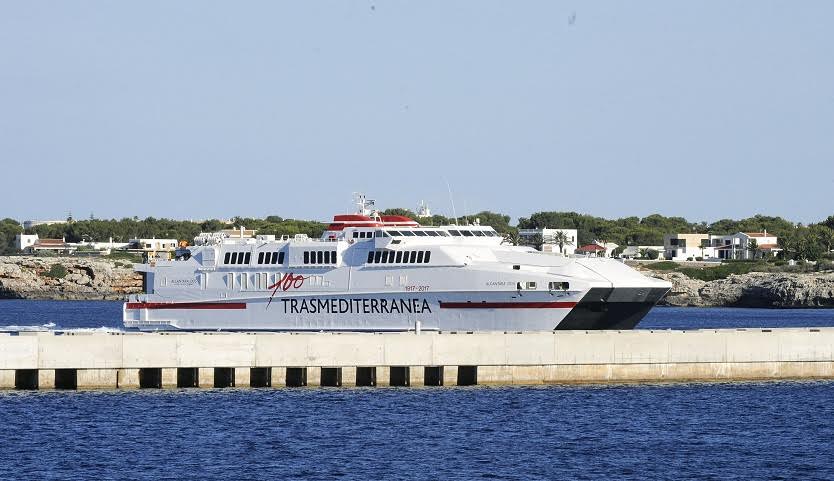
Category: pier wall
[166,360]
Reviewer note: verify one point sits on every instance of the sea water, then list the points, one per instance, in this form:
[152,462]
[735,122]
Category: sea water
[742,430]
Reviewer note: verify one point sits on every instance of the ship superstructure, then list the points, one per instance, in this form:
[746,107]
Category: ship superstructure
[371,272]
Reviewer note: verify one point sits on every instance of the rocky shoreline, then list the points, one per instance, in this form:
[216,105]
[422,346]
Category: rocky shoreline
[756,289]
[77,278]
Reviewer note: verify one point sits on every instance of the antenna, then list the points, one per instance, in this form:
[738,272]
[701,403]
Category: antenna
[452,200]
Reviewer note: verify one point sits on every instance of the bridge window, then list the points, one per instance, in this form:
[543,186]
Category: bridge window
[408,233]
[443,233]
[478,233]
[455,233]
[420,233]
[432,233]
[466,233]
[394,233]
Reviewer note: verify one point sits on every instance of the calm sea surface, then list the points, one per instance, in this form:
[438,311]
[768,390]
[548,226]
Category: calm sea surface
[776,430]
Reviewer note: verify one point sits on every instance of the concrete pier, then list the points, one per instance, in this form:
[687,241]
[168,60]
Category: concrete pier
[47,360]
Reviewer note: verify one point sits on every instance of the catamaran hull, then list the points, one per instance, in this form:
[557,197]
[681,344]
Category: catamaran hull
[596,308]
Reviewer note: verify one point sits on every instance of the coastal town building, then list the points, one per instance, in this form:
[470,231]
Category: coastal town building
[31,244]
[680,247]
[741,246]
[632,252]
[151,245]
[593,250]
[549,239]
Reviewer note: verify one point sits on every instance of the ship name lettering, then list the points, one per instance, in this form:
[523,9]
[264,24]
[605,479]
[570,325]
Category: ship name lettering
[356,306]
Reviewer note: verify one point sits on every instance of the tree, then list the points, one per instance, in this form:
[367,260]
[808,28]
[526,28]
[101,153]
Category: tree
[652,254]
[824,235]
[560,238]
[9,228]
[512,238]
[536,241]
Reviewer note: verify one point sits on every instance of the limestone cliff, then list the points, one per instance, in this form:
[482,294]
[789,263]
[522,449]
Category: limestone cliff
[756,289]
[26,277]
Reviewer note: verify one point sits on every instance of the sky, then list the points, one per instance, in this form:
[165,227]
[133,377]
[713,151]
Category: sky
[201,109]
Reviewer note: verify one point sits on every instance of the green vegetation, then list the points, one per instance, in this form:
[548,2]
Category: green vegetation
[56,271]
[722,271]
[128,256]
[725,269]
[663,266]
[9,228]
[799,242]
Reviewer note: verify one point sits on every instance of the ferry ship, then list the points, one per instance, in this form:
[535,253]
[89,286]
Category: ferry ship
[372,272]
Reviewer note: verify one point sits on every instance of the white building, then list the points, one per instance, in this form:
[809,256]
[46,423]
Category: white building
[741,245]
[548,239]
[681,247]
[631,252]
[24,241]
[151,245]
[32,244]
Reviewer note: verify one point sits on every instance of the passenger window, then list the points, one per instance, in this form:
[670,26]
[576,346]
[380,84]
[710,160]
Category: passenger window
[455,233]
[355,234]
[391,257]
[319,257]
[531,285]
[227,257]
[399,257]
[385,257]
[413,257]
[370,257]
[377,256]
[428,256]
[260,257]
[280,258]
[306,257]
[234,257]
[248,258]
[419,257]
